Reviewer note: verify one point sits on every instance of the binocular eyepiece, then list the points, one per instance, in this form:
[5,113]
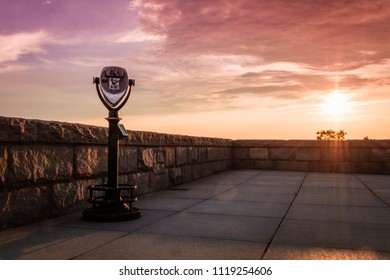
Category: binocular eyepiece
[113,87]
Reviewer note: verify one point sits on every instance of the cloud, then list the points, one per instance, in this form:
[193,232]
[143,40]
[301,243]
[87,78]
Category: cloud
[322,34]
[260,89]
[66,16]
[13,68]
[15,45]
[139,36]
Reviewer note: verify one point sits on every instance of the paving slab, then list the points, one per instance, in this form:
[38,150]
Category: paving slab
[19,232]
[75,246]
[383,195]
[338,196]
[358,236]
[324,183]
[284,173]
[340,213]
[241,228]
[268,181]
[75,221]
[19,248]
[242,208]
[166,203]
[206,187]
[330,176]
[256,196]
[143,246]
[263,189]
[232,181]
[192,193]
[287,252]
[377,181]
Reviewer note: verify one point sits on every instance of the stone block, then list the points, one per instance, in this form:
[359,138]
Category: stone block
[213,153]
[192,155]
[260,143]
[91,160]
[218,153]
[265,164]
[380,154]
[202,154]
[159,156]
[386,168]
[240,153]
[258,153]
[334,154]
[158,168]
[370,167]
[202,170]
[308,154]
[175,176]
[292,166]
[142,180]
[3,164]
[332,166]
[220,165]
[59,132]
[181,155]
[282,153]
[226,153]
[36,163]
[321,166]
[243,164]
[127,159]
[147,157]
[17,130]
[169,154]
[70,196]
[159,181]
[344,167]
[359,154]
[186,173]
[20,206]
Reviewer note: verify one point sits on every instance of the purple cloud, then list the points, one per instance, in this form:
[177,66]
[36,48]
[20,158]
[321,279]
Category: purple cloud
[333,34]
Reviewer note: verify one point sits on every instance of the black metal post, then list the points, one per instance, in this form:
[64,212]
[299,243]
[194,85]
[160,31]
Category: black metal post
[113,150]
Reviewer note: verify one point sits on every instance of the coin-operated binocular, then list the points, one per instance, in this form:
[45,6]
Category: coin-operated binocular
[112,201]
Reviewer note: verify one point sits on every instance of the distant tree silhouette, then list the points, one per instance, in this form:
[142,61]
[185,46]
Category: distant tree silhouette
[331,135]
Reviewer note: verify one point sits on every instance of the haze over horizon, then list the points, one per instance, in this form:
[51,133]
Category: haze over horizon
[234,69]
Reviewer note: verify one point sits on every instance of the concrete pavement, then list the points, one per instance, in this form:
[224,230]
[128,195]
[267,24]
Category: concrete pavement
[237,214]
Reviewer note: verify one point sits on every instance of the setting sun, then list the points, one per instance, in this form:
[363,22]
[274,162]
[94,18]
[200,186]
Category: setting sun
[336,104]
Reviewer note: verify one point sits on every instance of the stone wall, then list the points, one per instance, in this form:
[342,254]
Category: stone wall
[349,156]
[45,167]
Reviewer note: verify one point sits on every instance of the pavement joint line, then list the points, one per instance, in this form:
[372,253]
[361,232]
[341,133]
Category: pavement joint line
[335,222]
[203,237]
[232,215]
[284,217]
[360,180]
[85,252]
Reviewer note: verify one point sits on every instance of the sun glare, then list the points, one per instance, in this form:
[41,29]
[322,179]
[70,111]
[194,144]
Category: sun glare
[336,104]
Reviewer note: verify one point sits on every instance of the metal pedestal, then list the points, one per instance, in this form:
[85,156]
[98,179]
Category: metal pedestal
[105,209]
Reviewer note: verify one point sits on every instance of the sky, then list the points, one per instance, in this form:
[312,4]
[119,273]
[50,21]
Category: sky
[244,69]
